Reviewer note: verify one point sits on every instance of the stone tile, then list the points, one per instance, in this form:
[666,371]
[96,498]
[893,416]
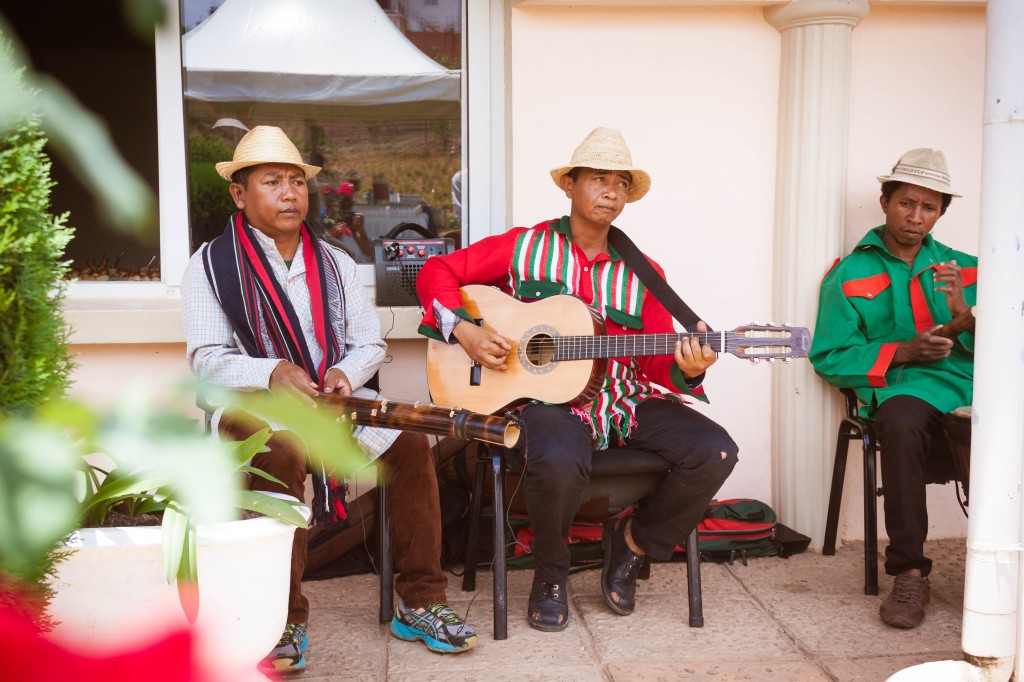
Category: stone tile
[873,668]
[848,623]
[949,561]
[590,672]
[805,618]
[524,651]
[776,671]
[734,630]
[345,638]
[809,572]
[666,578]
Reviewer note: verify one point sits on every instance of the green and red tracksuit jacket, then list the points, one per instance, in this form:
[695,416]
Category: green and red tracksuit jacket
[535,263]
[870,302]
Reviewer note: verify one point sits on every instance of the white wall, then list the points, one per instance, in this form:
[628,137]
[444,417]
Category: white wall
[694,93]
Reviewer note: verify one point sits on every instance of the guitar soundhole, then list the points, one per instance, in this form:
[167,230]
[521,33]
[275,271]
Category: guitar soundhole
[537,350]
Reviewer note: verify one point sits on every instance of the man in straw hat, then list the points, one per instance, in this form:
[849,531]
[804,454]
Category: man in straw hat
[243,293]
[571,255]
[879,310]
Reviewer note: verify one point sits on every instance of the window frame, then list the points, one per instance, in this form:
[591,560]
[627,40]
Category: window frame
[114,312]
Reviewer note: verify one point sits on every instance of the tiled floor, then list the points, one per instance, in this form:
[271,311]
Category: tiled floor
[803,618]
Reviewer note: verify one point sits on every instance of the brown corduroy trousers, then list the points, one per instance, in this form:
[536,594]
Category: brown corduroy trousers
[412,505]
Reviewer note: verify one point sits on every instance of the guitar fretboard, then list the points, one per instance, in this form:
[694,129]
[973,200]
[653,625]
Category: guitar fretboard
[627,345]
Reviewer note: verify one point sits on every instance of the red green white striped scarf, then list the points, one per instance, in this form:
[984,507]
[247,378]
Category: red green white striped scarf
[548,255]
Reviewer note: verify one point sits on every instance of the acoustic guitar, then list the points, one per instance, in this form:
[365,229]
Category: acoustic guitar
[560,351]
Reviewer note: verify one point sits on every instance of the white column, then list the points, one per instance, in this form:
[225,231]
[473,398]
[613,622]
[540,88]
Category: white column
[810,202]
[992,621]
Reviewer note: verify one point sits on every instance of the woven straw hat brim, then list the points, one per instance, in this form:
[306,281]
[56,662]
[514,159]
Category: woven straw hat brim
[264,144]
[928,183]
[639,187]
[605,149]
[923,167]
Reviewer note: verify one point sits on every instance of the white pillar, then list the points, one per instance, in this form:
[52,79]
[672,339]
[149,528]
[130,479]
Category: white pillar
[810,204]
[991,594]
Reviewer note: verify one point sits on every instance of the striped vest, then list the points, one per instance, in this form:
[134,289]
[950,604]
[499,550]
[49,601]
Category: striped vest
[545,263]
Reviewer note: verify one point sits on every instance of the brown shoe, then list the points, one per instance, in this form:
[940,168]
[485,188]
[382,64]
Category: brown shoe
[904,607]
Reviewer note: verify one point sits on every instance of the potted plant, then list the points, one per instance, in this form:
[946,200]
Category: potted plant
[128,585]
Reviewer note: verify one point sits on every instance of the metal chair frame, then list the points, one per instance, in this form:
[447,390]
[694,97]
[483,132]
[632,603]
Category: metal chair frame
[491,460]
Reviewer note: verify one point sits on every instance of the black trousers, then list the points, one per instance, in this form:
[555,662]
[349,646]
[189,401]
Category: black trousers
[558,451]
[914,452]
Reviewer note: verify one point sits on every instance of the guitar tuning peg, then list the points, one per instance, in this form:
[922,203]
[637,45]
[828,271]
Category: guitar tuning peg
[771,361]
[754,361]
[788,361]
[772,324]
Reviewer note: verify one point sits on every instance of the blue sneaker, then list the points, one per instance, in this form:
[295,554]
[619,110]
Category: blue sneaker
[437,625]
[289,654]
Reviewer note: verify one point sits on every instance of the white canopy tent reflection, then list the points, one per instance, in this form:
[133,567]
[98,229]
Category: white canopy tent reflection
[348,56]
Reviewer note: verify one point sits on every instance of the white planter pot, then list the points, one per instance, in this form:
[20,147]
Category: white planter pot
[110,593]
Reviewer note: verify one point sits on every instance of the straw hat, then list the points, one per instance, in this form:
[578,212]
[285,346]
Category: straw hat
[604,149]
[264,144]
[923,167]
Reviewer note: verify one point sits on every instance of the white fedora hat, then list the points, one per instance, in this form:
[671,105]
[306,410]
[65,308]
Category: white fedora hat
[264,144]
[604,149]
[923,167]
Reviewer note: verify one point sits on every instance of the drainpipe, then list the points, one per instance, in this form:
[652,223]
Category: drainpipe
[993,635]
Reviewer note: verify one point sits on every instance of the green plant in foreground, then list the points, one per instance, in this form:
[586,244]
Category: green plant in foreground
[161,461]
[34,358]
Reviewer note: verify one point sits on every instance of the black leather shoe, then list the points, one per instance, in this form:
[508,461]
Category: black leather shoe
[549,607]
[621,568]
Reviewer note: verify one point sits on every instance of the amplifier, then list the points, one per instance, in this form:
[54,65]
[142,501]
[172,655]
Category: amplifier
[396,262]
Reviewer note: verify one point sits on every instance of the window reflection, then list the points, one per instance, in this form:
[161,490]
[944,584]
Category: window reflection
[367,90]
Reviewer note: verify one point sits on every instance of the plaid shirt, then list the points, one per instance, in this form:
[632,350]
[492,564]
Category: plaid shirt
[216,356]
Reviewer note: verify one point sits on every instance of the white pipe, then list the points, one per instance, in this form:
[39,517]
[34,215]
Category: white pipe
[992,592]
[992,629]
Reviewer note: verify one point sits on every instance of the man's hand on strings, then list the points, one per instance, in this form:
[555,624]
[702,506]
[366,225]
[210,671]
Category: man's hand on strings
[692,358]
[489,349]
[947,280]
[290,379]
[925,347]
[336,383]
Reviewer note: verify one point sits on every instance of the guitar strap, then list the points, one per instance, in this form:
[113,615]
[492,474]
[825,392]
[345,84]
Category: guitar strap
[654,282]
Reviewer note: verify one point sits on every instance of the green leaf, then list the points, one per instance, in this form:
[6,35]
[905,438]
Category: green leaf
[174,538]
[253,471]
[274,507]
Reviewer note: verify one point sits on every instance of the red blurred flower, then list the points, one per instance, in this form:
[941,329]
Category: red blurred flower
[327,189]
[346,189]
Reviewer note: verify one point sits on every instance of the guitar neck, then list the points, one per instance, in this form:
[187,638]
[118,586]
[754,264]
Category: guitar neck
[631,345]
[750,342]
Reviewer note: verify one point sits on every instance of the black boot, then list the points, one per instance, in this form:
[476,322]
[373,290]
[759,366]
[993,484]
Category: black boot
[621,568]
[548,609]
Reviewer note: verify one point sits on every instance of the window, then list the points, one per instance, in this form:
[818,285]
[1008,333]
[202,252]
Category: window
[369,91]
[81,45]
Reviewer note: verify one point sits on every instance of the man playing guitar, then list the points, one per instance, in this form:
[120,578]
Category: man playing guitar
[571,255]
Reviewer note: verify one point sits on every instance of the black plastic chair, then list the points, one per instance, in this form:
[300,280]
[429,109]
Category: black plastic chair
[621,475]
[851,426]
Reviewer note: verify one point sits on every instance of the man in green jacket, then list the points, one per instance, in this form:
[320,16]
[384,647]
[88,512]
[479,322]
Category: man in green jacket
[878,313]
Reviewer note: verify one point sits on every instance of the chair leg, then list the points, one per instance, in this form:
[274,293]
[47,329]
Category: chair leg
[499,571]
[870,515]
[835,496]
[475,512]
[387,569]
[693,581]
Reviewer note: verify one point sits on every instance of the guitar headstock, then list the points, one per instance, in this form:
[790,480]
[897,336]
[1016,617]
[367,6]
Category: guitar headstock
[756,342]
